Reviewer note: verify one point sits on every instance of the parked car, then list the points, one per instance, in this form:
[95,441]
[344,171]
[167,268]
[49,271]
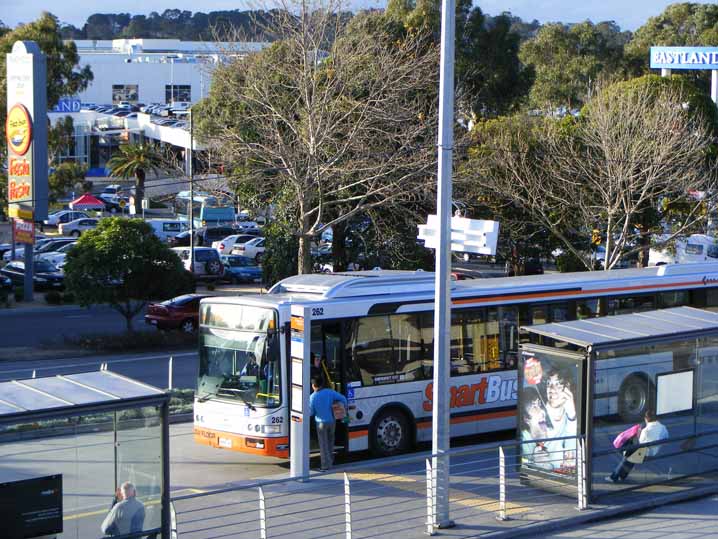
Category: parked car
[113,192]
[180,313]
[41,246]
[252,249]
[77,227]
[114,206]
[240,269]
[64,216]
[226,245]
[206,235]
[5,283]
[53,244]
[45,275]
[248,227]
[57,258]
[180,240]
[165,229]
[207,264]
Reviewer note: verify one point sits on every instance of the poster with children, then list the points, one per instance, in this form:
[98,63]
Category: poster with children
[548,412]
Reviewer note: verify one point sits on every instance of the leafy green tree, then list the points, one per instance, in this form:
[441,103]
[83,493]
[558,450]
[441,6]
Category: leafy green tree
[490,79]
[680,25]
[280,255]
[64,177]
[64,77]
[569,61]
[59,138]
[136,160]
[626,166]
[123,264]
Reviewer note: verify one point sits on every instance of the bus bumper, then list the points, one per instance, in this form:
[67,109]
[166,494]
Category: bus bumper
[257,445]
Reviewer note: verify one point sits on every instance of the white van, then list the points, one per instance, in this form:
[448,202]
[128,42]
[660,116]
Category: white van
[165,229]
[694,249]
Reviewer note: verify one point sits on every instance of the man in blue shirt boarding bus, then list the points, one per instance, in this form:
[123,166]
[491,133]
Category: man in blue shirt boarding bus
[321,406]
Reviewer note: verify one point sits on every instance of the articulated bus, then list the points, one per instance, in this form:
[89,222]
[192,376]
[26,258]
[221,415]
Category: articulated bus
[373,331]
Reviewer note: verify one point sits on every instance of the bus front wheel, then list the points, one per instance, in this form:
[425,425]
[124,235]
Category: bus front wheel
[390,433]
[634,398]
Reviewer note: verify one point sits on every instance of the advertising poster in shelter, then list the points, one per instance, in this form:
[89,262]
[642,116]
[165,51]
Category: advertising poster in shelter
[549,403]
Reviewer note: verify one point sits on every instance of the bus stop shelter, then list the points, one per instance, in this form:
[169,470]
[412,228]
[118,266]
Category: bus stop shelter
[68,442]
[582,383]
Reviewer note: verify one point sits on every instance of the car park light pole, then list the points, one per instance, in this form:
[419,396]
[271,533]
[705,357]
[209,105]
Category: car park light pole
[190,167]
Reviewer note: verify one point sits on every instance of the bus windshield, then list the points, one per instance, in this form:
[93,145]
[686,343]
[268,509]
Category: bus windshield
[240,359]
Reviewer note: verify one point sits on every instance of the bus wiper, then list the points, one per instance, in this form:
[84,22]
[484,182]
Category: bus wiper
[245,401]
[204,398]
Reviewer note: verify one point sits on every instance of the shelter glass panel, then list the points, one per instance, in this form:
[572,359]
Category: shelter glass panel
[631,443]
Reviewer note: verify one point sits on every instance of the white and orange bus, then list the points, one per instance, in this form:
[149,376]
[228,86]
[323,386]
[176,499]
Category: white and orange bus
[373,331]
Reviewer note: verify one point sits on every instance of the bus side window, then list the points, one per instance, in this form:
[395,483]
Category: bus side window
[491,351]
[559,312]
[630,304]
[675,298]
[372,350]
[587,308]
[509,337]
[711,299]
[408,352]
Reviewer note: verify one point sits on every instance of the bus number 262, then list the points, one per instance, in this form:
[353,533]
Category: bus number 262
[318,311]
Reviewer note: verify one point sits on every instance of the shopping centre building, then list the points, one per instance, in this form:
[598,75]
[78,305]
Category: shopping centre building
[139,71]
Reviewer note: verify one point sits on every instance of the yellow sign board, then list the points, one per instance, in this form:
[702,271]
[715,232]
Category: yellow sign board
[17,212]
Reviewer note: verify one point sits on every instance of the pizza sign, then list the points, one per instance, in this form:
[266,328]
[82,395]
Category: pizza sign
[18,129]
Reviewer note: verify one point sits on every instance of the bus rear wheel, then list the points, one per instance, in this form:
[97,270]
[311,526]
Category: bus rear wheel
[634,398]
[390,433]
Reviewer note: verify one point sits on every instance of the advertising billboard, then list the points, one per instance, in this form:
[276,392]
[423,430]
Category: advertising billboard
[31,507]
[26,131]
[549,408]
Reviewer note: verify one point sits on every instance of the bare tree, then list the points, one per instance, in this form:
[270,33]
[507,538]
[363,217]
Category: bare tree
[334,118]
[619,168]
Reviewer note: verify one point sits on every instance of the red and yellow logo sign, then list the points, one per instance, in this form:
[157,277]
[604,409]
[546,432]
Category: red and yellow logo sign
[18,129]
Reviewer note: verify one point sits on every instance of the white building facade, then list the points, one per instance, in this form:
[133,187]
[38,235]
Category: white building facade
[154,70]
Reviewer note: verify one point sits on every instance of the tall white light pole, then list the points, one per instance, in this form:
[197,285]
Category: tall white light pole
[442,306]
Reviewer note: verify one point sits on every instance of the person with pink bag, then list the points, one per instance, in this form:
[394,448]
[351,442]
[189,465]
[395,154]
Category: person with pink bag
[633,453]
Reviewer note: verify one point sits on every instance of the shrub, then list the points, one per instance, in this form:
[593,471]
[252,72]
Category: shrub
[210,287]
[19,293]
[4,298]
[53,297]
[68,297]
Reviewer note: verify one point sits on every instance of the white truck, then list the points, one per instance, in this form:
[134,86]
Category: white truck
[696,248]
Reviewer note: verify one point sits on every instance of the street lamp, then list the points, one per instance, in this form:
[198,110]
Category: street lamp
[171,58]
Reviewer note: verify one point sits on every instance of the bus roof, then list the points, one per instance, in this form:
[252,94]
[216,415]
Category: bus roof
[385,282]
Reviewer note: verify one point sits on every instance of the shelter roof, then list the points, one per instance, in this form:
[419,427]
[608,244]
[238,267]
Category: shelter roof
[629,327]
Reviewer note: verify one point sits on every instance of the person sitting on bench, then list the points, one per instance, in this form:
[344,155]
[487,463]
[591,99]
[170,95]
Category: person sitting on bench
[634,454]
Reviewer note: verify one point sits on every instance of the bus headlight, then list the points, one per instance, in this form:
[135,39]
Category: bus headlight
[271,429]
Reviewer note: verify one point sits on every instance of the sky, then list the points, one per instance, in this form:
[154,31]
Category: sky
[629,14]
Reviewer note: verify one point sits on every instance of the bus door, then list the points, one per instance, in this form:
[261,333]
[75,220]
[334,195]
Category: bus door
[327,351]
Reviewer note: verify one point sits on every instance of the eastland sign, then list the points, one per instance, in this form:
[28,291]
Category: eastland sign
[684,57]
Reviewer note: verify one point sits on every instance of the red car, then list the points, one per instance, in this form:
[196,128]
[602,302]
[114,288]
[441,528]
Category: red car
[180,313]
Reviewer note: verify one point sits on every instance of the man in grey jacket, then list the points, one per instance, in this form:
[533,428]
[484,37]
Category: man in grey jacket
[127,515]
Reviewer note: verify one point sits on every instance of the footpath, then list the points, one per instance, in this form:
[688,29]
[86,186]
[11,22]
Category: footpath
[383,500]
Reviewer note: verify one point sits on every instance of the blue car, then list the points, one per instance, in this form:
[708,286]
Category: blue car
[241,269]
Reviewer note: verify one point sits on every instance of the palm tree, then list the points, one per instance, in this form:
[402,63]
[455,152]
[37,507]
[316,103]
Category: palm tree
[136,160]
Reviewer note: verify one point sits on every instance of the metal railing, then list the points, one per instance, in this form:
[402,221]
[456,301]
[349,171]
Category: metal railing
[393,498]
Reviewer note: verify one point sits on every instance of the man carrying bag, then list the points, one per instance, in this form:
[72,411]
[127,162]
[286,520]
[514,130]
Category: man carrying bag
[326,405]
